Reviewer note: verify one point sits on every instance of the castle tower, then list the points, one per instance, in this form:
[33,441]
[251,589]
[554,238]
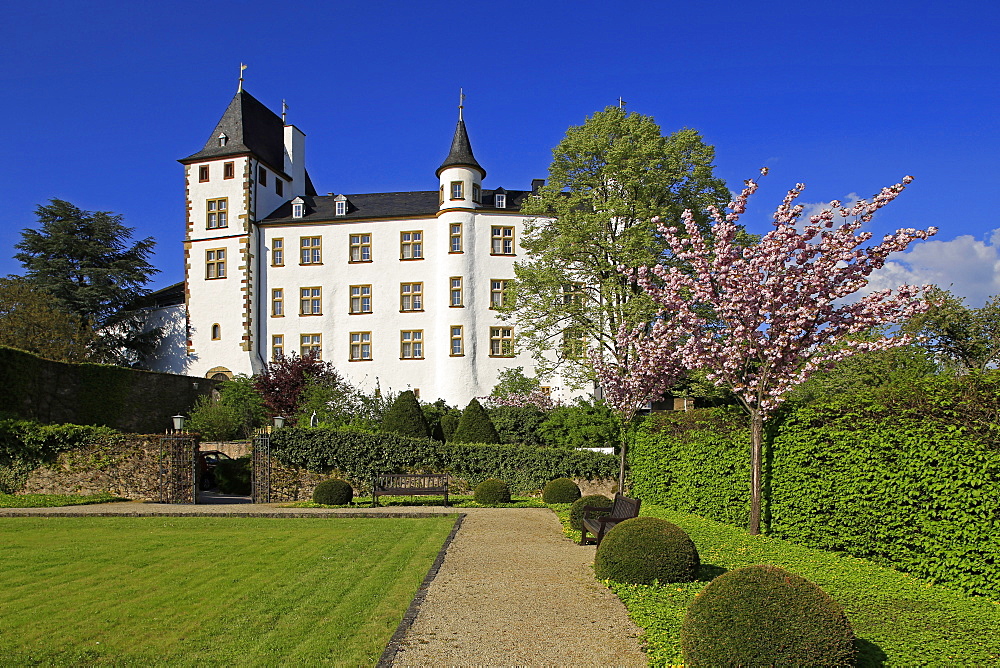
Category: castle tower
[250,165]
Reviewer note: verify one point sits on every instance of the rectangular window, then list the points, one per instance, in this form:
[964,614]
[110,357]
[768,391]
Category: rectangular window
[455,242]
[457,190]
[457,341]
[279,186]
[501,341]
[203,173]
[262,176]
[228,170]
[361,248]
[277,302]
[502,241]
[361,346]
[411,296]
[311,301]
[277,252]
[277,346]
[215,263]
[476,193]
[340,208]
[411,245]
[311,345]
[572,294]
[312,250]
[411,345]
[217,213]
[455,294]
[500,200]
[361,299]
[498,293]
[574,344]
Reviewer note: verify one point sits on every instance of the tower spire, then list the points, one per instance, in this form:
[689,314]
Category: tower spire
[242,67]
[461,103]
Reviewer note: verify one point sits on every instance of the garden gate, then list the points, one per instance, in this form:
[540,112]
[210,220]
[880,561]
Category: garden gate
[261,472]
[178,468]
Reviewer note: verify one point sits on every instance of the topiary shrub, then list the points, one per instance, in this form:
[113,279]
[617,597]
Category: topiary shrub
[492,492]
[333,493]
[561,490]
[576,510]
[233,475]
[405,417]
[643,549]
[475,426]
[764,616]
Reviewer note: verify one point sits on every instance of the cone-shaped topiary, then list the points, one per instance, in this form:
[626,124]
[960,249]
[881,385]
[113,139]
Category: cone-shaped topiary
[404,417]
[643,549]
[333,493]
[765,616]
[560,490]
[492,492]
[449,423]
[475,426]
[576,510]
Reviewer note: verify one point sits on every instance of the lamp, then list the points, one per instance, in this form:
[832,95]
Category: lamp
[279,422]
[178,422]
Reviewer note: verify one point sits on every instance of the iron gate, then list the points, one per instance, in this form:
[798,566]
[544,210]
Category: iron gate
[261,475]
[178,469]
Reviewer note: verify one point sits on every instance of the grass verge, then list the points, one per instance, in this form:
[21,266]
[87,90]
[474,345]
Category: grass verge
[899,620]
[455,501]
[53,500]
[208,591]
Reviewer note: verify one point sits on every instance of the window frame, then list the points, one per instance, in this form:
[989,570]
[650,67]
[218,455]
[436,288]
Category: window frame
[459,188]
[361,296]
[504,342]
[216,331]
[215,213]
[506,241]
[277,346]
[315,251]
[415,344]
[312,301]
[414,245]
[229,170]
[454,290]
[359,344]
[455,241]
[414,292]
[495,303]
[500,201]
[361,245]
[458,338]
[315,344]
[277,302]
[278,252]
[215,259]
[262,176]
[203,174]
[477,193]
[279,186]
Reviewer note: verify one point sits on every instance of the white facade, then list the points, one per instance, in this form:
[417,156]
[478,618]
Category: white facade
[395,289]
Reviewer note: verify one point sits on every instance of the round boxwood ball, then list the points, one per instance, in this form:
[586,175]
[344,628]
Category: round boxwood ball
[643,549]
[491,492]
[333,493]
[576,510]
[560,490]
[765,616]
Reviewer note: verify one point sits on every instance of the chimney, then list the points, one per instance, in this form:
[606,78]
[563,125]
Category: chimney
[536,184]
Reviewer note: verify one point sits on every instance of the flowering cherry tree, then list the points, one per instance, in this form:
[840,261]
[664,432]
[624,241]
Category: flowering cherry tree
[779,308]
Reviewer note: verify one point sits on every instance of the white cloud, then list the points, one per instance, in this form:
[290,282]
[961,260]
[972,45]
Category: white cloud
[966,266]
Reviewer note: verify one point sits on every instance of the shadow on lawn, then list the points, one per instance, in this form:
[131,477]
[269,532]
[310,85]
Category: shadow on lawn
[709,572]
[870,655]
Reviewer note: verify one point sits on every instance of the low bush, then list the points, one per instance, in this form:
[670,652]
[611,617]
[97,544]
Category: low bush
[475,426]
[560,490]
[492,492]
[576,510]
[765,616]
[233,475]
[333,493]
[644,549]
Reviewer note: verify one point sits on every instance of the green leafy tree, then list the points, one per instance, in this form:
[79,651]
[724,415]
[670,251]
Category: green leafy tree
[584,425]
[963,338]
[434,414]
[475,426]
[30,322]
[214,420]
[242,396]
[288,382]
[404,417]
[609,177]
[518,424]
[89,265]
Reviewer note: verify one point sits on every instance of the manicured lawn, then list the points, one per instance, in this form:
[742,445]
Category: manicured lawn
[53,500]
[208,591]
[900,620]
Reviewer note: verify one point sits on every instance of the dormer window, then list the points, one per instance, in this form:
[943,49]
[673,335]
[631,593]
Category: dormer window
[500,200]
[223,139]
[298,207]
[340,205]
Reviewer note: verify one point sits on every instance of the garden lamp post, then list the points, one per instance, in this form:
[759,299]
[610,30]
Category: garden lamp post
[178,422]
[279,422]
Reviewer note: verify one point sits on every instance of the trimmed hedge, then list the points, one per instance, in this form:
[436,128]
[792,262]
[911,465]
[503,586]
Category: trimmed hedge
[25,445]
[908,477]
[561,490]
[358,456]
[333,493]
[491,492]
[642,550]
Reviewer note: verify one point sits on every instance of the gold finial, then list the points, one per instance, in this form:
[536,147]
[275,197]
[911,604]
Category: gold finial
[461,102]
[284,112]
[242,67]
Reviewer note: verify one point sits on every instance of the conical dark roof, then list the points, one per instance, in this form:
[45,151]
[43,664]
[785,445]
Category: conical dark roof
[251,128]
[461,151]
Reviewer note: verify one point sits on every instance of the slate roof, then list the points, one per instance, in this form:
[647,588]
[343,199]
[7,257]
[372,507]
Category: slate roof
[251,128]
[383,205]
[461,151]
[168,296]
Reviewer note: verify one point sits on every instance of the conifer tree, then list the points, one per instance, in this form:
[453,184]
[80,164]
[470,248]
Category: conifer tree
[405,418]
[475,426]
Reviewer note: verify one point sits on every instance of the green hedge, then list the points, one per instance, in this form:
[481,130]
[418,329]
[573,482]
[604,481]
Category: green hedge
[25,445]
[909,477]
[360,455]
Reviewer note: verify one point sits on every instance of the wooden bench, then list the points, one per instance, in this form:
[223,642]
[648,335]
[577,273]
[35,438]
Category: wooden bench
[598,521]
[413,484]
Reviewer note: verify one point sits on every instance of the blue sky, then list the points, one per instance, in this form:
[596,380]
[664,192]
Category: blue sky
[102,98]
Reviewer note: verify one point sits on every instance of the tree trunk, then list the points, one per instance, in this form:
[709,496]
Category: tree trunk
[756,469]
[623,448]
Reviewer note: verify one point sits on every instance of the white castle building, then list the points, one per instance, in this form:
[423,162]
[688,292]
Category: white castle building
[398,290]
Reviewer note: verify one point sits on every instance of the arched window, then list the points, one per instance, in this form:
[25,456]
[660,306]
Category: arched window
[216,332]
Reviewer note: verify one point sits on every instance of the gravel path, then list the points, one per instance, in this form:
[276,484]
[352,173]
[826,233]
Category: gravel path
[510,591]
